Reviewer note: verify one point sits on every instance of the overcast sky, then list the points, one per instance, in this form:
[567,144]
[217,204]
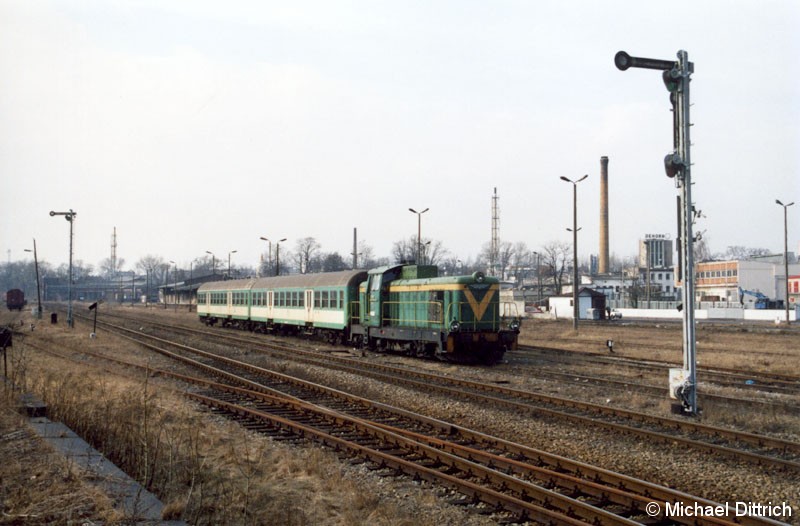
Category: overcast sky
[203,125]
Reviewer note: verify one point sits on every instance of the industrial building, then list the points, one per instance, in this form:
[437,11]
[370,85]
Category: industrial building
[744,281]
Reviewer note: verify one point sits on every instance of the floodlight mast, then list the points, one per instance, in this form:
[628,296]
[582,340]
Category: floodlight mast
[677,76]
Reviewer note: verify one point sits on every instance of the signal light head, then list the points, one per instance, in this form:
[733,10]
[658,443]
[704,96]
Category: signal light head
[622,60]
[673,164]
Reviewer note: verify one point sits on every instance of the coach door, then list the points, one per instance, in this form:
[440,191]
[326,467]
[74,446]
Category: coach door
[310,305]
[374,292]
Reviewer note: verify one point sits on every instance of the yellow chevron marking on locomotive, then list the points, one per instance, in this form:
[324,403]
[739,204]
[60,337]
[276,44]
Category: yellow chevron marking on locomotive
[479,308]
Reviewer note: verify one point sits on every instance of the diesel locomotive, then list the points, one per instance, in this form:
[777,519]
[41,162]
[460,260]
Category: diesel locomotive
[401,308]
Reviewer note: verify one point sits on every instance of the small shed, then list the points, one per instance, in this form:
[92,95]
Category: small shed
[588,299]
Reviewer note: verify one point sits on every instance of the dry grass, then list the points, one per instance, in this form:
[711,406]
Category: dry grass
[205,469]
[37,485]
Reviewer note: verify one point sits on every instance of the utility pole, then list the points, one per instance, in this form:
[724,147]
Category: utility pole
[419,232]
[355,248]
[69,216]
[678,165]
[785,253]
[494,250]
[278,256]
[576,310]
[38,287]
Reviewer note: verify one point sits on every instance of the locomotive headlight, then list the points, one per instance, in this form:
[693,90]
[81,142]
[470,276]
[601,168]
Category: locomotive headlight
[455,326]
[514,325]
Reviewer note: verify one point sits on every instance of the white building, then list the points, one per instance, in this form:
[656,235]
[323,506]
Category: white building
[588,301]
[721,280]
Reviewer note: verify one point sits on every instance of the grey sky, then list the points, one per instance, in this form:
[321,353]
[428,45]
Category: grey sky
[296,119]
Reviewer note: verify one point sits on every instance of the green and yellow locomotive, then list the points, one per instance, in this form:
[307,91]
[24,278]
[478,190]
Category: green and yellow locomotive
[456,318]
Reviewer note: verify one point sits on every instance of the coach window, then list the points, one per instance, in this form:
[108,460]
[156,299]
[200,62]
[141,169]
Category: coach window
[341,299]
[324,301]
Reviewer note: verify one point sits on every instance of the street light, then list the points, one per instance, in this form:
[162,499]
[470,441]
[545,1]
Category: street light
[539,274]
[213,263]
[786,253]
[69,216]
[269,257]
[38,288]
[166,282]
[175,284]
[148,271]
[575,308]
[419,230]
[229,262]
[278,256]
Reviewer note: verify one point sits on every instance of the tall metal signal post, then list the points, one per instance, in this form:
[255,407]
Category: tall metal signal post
[677,163]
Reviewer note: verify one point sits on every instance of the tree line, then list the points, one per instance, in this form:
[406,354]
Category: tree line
[515,262]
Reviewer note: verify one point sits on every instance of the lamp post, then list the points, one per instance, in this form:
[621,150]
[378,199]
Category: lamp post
[229,262]
[175,283]
[148,271]
[575,308]
[269,257]
[278,256]
[419,230]
[539,274]
[786,252]
[38,288]
[213,263]
[69,216]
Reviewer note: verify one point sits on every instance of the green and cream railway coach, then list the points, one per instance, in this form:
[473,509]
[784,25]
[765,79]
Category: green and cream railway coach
[315,304]
[225,301]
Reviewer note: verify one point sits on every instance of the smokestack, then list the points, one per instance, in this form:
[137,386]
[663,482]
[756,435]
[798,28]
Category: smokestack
[602,267]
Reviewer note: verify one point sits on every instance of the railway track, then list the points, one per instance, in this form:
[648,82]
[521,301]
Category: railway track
[755,381]
[741,446]
[557,371]
[532,485]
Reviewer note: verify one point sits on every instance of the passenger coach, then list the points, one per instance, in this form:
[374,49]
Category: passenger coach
[315,304]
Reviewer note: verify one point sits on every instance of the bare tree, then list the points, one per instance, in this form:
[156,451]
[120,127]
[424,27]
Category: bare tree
[305,250]
[556,254]
[366,256]
[108,270]
[333,262]
[520,261]
[502,260]
[739,252]
[154,265]
[701,249]
[405,250]
[431,252]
